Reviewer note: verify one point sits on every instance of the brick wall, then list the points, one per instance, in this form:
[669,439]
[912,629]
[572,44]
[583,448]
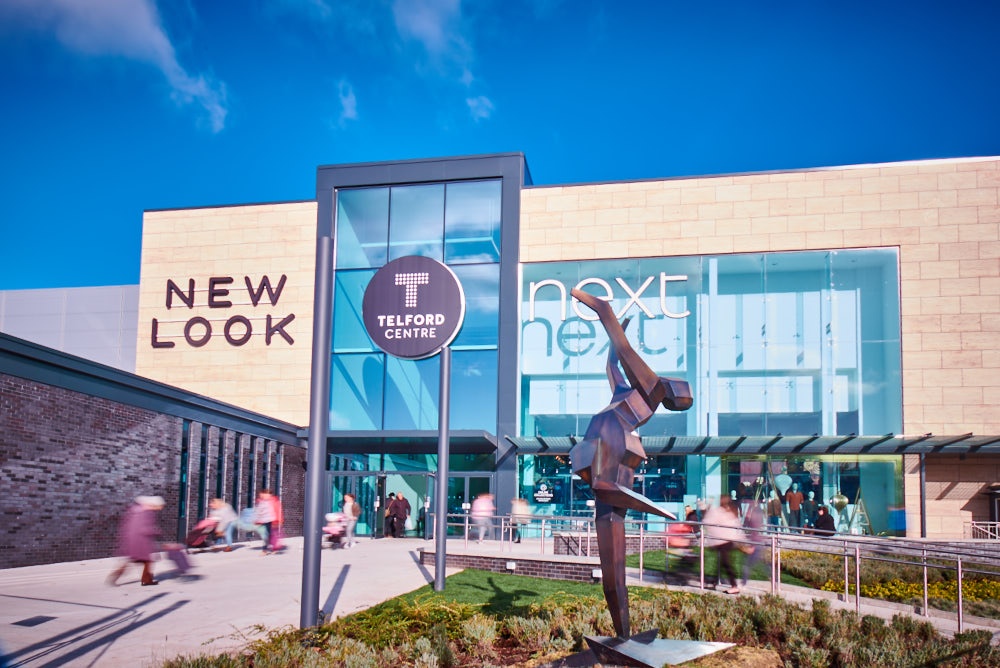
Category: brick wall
[577,569]
[576,544]
[70,464]
[293,490]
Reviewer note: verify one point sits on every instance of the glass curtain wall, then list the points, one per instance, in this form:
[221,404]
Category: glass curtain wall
[457,223]
[784,343]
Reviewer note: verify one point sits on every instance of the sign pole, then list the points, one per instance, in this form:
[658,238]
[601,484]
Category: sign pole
[441,490]
[413,308]
[319,420]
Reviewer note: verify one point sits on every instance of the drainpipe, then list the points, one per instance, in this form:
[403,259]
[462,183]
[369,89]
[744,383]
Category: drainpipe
[923,496]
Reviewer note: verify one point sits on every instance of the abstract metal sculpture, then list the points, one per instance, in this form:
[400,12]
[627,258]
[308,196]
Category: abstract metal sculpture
[611,450]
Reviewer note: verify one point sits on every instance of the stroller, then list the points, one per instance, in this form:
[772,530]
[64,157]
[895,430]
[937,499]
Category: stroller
[336,526]
[202,535]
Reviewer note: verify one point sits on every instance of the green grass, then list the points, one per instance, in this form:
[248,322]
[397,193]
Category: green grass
[503,594]
[655,560]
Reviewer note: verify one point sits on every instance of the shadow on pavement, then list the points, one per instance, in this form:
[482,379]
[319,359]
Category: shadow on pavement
[100,633]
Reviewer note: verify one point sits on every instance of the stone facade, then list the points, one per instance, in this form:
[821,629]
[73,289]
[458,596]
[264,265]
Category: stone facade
[250,270]
[943,216]
[954,486]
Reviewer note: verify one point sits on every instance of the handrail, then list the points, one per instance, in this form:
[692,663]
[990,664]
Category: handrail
[923,554]
[982,530]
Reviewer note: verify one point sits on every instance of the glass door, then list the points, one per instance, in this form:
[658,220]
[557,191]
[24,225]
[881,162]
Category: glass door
[366,488]
[463,490]
[417,489]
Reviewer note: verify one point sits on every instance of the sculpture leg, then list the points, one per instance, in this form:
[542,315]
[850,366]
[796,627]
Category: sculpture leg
[611,548]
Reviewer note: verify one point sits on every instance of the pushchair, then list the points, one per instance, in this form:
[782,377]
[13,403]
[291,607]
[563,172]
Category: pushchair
[202,535]
[336,526]
[680,538]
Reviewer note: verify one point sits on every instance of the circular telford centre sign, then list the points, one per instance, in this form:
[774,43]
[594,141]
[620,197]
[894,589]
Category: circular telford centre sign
[413,307]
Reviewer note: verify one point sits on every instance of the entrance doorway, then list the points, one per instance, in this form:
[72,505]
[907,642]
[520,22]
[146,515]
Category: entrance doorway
[372,489]
[464,489]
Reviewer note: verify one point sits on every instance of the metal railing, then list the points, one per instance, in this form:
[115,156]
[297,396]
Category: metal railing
[982,530]
[852,549]
[501,528]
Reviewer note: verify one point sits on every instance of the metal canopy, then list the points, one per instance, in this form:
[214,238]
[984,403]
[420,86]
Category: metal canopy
[461,442]
[887,444]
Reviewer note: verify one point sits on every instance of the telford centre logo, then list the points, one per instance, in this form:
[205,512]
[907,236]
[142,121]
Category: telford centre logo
[413,307]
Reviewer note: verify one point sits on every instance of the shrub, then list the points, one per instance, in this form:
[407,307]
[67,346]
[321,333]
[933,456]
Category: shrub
[479,632]
[530,632]
[384,624]
[456,635]
[350,653]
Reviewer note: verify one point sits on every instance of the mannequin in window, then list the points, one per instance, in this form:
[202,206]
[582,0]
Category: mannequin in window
[809,507]
[774,510]
[794,499]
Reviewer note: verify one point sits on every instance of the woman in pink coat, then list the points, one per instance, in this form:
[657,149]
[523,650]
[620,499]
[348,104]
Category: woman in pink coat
[137,538]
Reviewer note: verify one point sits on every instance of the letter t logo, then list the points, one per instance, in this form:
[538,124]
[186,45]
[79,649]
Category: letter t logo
[410,282]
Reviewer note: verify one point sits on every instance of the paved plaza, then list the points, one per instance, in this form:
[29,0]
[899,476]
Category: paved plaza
[66,615]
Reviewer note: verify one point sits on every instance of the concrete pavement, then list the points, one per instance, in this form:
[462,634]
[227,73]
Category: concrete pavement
[66,615]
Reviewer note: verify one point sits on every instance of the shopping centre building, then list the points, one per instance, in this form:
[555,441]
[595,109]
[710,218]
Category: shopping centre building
[838,328]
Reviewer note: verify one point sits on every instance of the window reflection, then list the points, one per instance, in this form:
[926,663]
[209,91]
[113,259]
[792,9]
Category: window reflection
[481,284]
[792,343]
[548,484]
[662,478]
[862,494]
[472,222]
[416,221]
[349,333]
[474,390]
[376,225]
[362,227]
[356,391]
[411,393]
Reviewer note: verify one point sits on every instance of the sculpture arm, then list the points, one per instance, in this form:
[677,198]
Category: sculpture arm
[615,377]
[640,376]
[619,496]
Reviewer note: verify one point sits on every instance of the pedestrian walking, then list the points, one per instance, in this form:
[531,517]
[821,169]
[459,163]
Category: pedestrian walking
[482,514]
[137,539]
[352,511]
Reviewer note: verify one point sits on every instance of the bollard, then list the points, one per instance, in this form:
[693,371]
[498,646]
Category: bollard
[857,579]
[927,612]
[961,620]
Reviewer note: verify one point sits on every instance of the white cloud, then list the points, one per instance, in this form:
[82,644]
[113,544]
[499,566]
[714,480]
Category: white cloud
[480,107]
[435,24]
[126,28]
[348,102]
[439,28]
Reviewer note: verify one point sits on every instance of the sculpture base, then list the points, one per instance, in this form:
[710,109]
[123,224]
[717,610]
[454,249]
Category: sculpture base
[648,651]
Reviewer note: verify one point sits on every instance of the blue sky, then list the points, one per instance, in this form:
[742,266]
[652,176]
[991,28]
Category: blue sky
[112,107]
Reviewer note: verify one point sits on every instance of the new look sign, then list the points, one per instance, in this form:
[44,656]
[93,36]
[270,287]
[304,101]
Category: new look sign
[413,307]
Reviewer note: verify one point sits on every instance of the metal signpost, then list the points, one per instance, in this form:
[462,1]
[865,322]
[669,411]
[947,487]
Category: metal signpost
[413,308]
